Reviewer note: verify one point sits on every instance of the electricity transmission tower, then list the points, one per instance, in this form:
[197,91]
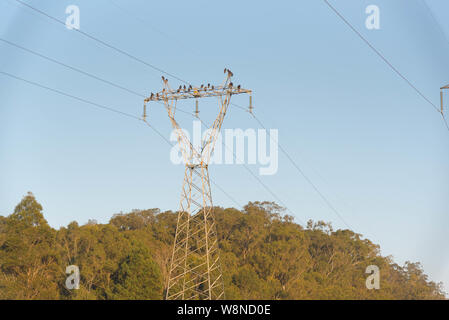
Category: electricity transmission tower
[195,271]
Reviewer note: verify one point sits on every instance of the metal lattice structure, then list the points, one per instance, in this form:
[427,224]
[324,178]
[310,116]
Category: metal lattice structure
[195,270]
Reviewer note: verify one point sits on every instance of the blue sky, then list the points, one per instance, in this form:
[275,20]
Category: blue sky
[370,143]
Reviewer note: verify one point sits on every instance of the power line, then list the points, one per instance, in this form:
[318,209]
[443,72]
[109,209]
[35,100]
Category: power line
[445,121]
[71,96]
[145,22]
[129,13]
[436,21]
[123,52]
[88,74]
[72,68]
[384,59]
[309,181]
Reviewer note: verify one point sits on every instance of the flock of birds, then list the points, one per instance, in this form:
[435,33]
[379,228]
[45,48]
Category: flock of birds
[185,89]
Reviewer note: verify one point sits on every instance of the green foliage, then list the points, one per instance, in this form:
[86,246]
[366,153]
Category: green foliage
[264,254]
[137,277]
[29,259]
[28,213]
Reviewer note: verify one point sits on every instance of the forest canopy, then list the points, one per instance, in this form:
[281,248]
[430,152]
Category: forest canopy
[264,255]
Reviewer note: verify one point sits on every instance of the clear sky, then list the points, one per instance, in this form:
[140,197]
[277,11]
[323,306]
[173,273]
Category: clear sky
[376,149]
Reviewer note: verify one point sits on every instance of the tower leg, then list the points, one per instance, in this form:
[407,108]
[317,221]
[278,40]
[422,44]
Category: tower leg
[195,271]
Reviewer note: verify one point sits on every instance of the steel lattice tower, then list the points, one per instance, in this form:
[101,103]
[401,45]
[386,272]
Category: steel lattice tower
[195,271]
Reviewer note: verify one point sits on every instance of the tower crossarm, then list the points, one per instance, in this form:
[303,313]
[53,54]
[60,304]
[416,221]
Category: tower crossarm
[195,93]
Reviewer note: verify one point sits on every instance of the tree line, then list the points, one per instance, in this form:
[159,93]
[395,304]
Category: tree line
[264,255]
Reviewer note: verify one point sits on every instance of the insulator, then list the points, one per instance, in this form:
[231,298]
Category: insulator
[197,112]
[144,112]
[250,104]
